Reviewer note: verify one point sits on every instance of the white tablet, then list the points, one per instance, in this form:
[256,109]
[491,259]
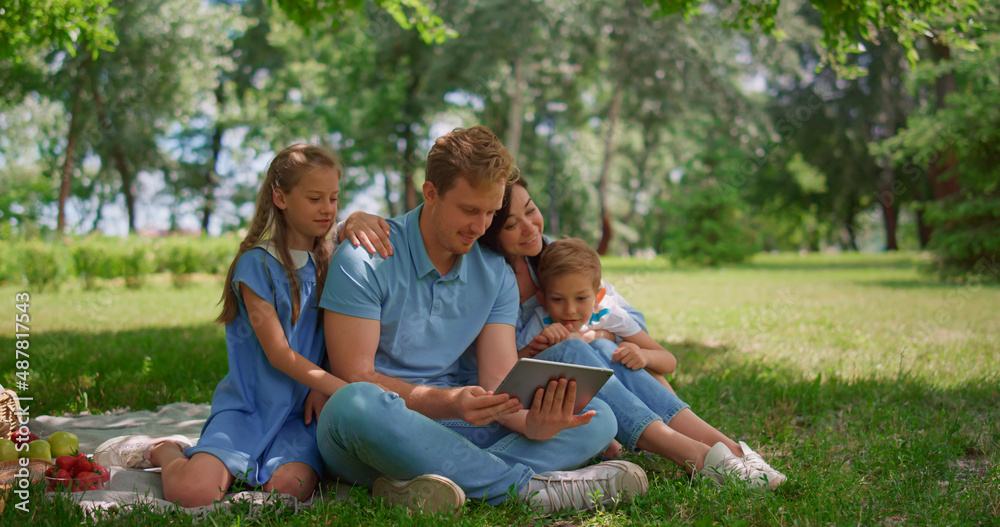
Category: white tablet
[530,374]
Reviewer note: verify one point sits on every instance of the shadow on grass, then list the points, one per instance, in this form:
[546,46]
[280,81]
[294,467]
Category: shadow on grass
[74,371]
[898,445]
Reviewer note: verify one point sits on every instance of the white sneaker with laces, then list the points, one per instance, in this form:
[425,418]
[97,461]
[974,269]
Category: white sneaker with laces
[127,451]
[586,488]
[428,493]
[721,464]
[753,460]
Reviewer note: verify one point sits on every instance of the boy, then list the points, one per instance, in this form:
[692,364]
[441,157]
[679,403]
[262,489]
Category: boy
[576,303]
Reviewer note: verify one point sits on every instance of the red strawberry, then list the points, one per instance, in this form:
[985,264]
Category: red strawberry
[63,474]
[81,455]
[51,471]
[89,480]
[66,462]
[82,465]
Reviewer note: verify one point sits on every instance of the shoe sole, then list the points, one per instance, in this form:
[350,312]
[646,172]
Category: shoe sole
[428,493]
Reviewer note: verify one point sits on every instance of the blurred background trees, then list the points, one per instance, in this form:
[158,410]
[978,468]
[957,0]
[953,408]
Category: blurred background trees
[702,130]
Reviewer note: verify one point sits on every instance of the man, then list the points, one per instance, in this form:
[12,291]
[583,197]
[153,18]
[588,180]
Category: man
[397,327]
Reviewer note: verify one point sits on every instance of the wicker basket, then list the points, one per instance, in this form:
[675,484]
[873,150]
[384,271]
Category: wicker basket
[36,470]
[9,406]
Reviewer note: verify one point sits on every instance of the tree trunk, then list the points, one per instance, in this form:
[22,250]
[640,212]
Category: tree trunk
[128,179]
[391,206]
[943,180]
[66,178]
[852,237]
[649,140]
[97,213]
[515,117]
[212,176]
[118,156]
[412,114]
[410,190]
[923,230]
[602,182]
[890,214]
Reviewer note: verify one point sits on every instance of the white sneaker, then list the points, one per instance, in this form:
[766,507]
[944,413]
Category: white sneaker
[721,464]
[127,451]
[753,460]
[428,493]
[587,487]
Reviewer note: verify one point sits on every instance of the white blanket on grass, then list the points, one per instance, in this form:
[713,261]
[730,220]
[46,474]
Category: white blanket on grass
[130,487]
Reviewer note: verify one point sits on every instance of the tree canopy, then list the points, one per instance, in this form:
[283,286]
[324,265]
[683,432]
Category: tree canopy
[736,127]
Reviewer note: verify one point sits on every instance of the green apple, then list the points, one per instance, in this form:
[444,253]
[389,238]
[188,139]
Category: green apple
[8,450]
[38,449]
[64,444]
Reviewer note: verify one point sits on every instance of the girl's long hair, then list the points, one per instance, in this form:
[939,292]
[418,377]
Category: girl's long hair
[269,223]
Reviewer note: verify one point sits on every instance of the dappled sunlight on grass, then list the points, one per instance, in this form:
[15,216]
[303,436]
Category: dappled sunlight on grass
[839,319]
[873,387]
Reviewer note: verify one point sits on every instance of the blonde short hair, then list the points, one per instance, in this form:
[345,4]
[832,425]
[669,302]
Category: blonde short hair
[567,256]
[475,154]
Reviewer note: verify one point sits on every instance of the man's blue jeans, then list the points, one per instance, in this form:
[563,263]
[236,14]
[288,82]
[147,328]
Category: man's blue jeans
[636,397]
[365,432]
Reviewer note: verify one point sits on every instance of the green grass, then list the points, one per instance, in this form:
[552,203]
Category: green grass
[874,388]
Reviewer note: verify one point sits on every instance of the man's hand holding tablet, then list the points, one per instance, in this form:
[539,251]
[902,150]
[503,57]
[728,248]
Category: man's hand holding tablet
[528,375]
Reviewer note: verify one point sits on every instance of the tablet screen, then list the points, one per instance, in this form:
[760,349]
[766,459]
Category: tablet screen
[530,374]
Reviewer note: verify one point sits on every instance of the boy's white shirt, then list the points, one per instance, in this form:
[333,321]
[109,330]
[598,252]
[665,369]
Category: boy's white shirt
[609,316]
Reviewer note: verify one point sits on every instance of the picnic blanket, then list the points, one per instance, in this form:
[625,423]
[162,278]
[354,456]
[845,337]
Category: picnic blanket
[129,487]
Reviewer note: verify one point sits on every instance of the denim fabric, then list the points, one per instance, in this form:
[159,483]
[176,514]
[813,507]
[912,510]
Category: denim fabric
[365,432]
[636,398]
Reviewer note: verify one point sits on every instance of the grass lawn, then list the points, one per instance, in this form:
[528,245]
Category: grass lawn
[874,388]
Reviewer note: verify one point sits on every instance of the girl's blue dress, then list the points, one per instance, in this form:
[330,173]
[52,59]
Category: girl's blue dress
[256,424]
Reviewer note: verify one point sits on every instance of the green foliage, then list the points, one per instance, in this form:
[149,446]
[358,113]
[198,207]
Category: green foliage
[100,258]
[137,261]
[44,264]
[409,14]
[707,225]
[9,269]
[965,136]
[96,259]
[846,25]
[183,256]
[62,24]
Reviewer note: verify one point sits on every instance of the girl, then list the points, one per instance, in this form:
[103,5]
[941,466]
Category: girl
[260,431]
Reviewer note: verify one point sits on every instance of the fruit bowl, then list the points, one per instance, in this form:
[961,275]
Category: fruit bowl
[76,474]
[77,484]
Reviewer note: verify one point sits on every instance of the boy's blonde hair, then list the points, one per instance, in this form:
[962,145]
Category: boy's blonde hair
[475,154]
[567,256]
[284,173]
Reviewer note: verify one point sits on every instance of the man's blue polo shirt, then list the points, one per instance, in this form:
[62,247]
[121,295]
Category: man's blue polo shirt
[428,320]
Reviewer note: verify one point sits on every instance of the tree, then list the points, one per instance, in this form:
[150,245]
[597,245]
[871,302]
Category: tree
[68,25]
[846,24]
[966,223]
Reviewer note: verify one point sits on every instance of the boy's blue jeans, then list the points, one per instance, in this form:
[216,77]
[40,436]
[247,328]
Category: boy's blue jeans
[636,397]
[365,432]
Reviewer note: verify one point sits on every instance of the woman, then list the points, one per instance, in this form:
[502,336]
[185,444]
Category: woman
[678,434]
